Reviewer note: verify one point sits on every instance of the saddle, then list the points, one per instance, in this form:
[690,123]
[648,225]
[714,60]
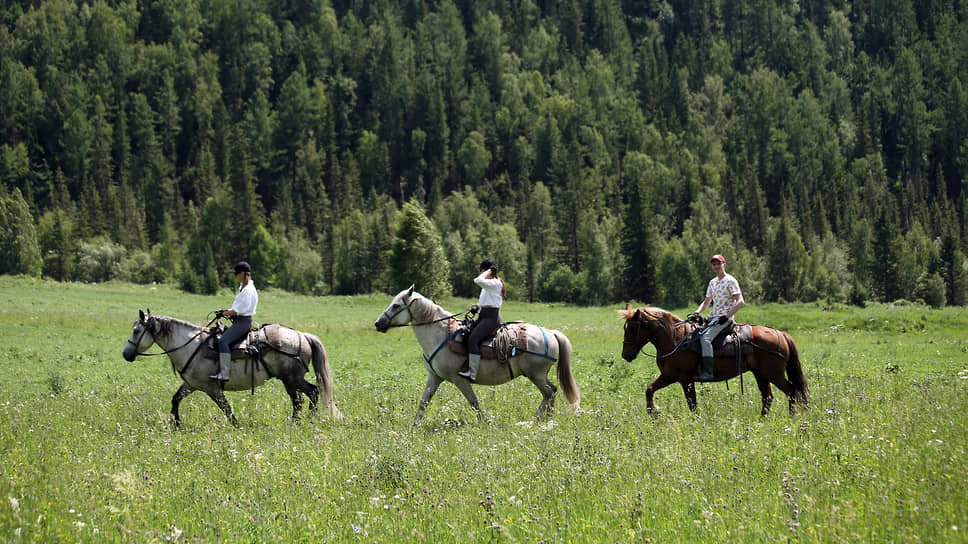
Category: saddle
[500,344]
[726,342]
[267,337]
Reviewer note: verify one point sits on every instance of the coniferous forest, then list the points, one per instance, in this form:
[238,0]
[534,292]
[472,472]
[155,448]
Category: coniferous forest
[599,150]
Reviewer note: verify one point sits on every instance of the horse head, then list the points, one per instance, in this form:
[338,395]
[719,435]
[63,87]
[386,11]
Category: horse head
[398,312]
[643,325]
[142,336]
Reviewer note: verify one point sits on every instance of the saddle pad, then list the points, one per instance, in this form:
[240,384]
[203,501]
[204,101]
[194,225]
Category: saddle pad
[274,336]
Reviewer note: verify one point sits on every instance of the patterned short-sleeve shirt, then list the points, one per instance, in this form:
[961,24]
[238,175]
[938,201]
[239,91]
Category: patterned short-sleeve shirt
[722,291]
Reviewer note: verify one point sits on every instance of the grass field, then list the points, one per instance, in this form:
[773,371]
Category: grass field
[87,453]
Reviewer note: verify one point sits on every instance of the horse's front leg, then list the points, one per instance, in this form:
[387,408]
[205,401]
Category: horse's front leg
[659,383]
[219,397]
[468,391]
[430,388]
[176,399]
[689,391]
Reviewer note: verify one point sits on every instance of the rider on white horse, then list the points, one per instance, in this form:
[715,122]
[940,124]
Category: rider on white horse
[493,293]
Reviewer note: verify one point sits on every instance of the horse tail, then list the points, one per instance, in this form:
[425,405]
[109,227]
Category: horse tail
[324,377]
[795,374]
[565,377]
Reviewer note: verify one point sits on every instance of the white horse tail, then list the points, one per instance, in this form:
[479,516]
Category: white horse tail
[324,377]
[565,377]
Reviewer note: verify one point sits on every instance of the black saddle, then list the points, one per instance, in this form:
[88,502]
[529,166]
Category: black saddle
[726,342]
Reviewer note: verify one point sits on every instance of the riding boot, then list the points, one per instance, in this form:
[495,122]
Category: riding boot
[706,373]
[473,363]
[224,361]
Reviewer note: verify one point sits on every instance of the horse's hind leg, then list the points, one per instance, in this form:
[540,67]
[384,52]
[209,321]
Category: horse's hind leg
[176,399]
[766,392]
[294,389]
[312,393]
[219,397]
[548,390]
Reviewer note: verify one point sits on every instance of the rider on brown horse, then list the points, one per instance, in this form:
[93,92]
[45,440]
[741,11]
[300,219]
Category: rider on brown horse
[724,295]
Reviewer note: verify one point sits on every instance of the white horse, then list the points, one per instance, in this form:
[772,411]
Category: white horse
[286,355]
[432,325]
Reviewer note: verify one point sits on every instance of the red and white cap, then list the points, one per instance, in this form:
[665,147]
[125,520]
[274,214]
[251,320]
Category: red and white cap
[718,257]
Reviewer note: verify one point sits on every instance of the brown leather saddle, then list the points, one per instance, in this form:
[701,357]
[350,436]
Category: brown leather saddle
[726,342]
[500,344]
[247,348]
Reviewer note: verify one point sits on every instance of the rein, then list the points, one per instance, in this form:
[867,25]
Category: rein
[657,356]
[411,324]
[167,351]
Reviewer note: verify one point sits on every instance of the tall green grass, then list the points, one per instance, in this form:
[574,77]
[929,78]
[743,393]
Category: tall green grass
[87,454]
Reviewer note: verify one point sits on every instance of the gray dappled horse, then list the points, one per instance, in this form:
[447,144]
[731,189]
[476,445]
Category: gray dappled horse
[432,326]
[183,343]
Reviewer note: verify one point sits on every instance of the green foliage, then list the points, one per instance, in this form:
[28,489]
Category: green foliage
[19,247]
[607,133]
[98,260]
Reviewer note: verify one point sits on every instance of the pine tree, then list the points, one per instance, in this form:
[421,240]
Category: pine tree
[417,256]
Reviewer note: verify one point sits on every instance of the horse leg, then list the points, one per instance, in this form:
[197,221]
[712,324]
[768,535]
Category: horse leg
[468,391]
[218,396]
[293,387]
[689,391]
[430,388]
[659,383]
[766,392]
[780,381]
[312,393]
[548,391]
[176,399]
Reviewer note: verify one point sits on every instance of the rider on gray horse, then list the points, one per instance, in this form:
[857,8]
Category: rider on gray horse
[243,308]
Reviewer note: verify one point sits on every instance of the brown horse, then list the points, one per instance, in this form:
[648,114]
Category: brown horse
[773,352]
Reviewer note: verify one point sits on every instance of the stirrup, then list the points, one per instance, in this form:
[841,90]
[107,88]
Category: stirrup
[218,377]
[468,376]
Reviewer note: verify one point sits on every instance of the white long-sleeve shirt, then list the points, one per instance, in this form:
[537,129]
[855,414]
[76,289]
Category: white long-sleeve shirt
[246,301]
[490,291]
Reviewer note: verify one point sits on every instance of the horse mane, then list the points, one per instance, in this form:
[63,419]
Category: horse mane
[165,324]
[427,308]
[653,314]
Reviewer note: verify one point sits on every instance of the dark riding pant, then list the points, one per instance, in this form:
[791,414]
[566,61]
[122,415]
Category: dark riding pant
[486,324]
[234,334]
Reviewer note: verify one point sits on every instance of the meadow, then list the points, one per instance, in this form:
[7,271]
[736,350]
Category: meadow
[87,453]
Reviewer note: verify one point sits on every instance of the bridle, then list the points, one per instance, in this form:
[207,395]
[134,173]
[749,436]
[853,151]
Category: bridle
[638,323]
[144,330]
[411,323]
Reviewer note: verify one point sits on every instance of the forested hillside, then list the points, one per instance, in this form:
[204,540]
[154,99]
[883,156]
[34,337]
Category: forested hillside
[599,150]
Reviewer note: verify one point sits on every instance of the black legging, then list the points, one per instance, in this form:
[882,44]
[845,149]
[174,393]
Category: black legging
[234,334]
[486,324]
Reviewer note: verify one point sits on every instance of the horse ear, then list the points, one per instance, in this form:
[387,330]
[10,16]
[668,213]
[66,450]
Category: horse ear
[141,316]
[628,307]
[410,291]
